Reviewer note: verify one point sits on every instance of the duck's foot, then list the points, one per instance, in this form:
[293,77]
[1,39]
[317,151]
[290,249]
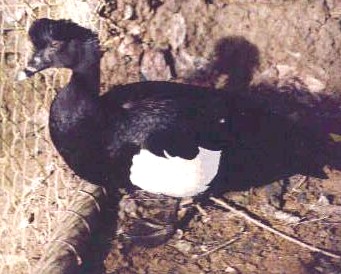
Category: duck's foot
[147,233]
[147,219]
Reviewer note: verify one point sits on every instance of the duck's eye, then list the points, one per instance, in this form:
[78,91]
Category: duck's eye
[56,44]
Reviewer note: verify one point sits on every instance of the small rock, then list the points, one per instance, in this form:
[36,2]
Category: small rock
[134,29]
[280,215]
[177,31]
[178,235]
[154,66]
[188,65]
[313,84]
[128,12]
[230,269]
[285,70]
[183,246]
[129,47]
[323,200]
[168,29]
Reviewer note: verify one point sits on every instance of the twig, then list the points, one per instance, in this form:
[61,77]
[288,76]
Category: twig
[235,238]
[215,248]
[276,232]
[310,221]
[299,183]
[201,210]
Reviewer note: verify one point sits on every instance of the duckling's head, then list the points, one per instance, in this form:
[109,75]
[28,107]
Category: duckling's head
[61,44]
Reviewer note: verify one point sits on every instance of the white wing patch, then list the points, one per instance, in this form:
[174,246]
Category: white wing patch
[174,176]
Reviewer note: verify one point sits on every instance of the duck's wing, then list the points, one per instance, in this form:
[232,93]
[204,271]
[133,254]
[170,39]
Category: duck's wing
[174,141]
[169,117]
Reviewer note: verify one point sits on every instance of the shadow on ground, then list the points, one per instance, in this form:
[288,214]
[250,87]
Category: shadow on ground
[281,131]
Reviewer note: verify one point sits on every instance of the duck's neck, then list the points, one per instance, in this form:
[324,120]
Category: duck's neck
[75,124]
[86,80]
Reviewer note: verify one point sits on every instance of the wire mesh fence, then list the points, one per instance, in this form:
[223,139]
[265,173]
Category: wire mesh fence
[35,185]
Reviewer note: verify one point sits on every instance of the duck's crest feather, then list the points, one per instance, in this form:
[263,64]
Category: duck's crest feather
[45,30]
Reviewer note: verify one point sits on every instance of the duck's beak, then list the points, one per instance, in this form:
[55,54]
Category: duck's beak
[26,73]
[35,65]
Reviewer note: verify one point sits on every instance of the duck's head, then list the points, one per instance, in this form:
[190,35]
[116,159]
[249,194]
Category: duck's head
[61,44]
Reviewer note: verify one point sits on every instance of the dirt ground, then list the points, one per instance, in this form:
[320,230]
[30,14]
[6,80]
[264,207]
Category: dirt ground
[279,58]
[284,55]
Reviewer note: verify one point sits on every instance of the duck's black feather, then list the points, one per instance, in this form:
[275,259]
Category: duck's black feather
[98,135]
[44,30]
[167,116]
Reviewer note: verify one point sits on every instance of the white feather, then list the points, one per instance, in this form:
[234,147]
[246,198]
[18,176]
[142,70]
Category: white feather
[174,176]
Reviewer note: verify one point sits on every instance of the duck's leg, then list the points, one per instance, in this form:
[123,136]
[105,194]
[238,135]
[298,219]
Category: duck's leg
[148,219]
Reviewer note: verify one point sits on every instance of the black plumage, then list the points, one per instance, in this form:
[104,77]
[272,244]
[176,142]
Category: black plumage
[98,135]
